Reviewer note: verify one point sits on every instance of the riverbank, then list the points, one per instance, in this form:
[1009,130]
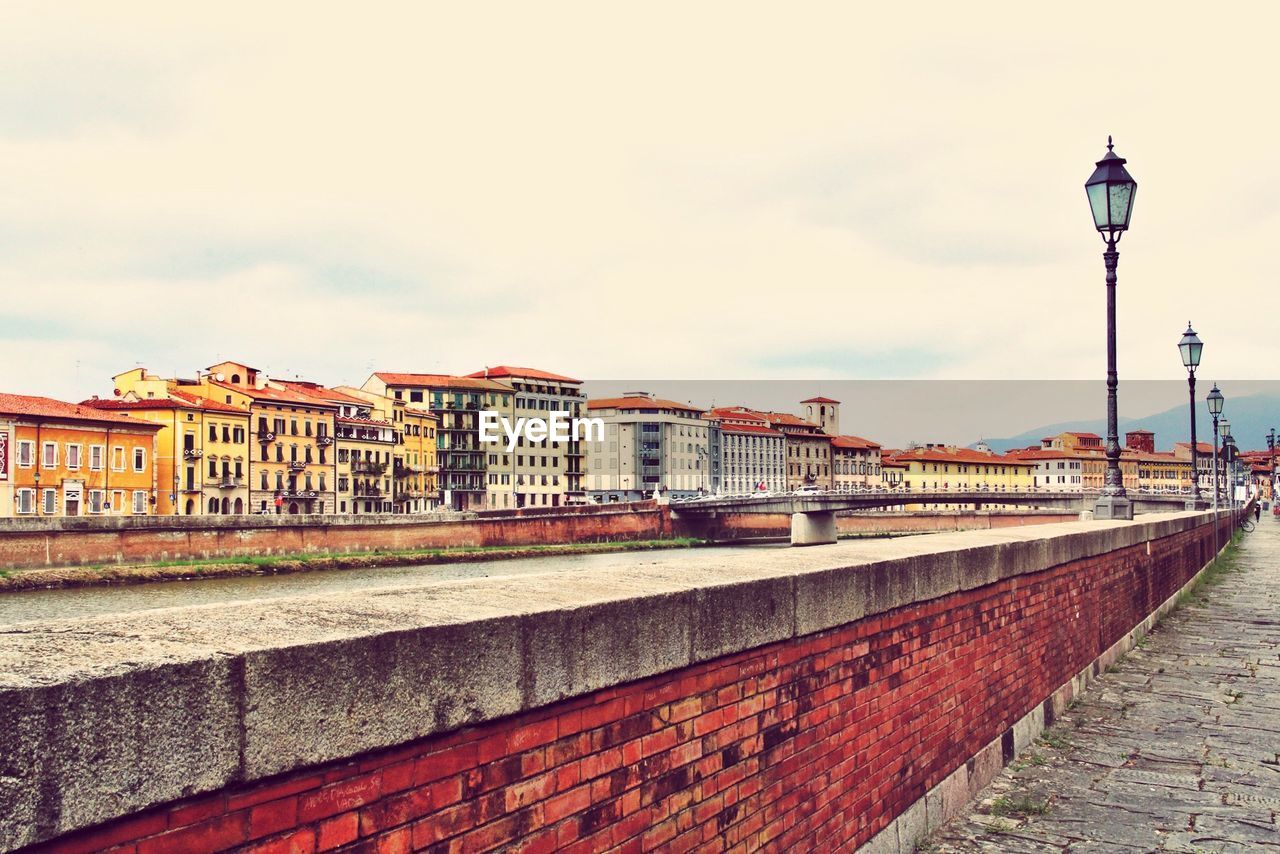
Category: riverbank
[187,570]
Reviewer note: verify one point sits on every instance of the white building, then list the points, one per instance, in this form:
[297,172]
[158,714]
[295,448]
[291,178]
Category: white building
[649,444]
[753,458]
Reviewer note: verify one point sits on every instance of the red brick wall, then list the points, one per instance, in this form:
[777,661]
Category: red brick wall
[814,744]
[184,538]
[192,538]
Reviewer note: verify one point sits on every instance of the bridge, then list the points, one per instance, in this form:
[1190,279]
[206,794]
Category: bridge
[813,514]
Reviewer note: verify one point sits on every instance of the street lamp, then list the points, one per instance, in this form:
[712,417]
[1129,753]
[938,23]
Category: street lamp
[1190,348]
[1215,401]
[36,477]
[1225,426]
[1110,190]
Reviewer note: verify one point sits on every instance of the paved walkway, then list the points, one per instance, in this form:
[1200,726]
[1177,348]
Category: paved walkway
[1178,748]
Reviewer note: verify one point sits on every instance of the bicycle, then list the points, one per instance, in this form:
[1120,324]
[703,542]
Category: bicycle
[1247,525]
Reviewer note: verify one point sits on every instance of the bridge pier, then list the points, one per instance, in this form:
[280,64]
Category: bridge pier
[817,528]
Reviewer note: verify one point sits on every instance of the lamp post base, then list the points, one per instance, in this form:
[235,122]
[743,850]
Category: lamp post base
[1113,507]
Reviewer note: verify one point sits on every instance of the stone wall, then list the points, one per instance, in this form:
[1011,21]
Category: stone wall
[815,699]
[27,543]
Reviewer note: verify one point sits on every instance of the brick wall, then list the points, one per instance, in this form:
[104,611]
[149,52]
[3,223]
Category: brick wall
[814,743]
[67,542]
[107,541]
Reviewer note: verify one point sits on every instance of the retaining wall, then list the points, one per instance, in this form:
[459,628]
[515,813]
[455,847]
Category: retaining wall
[87,541]
[806,699]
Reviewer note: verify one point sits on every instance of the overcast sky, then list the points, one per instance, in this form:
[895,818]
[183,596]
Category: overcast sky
[682,191]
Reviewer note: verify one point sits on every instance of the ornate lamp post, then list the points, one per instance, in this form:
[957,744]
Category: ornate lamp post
[1111,190]
[1215,401]
[1190,348]
[1271,459]
[1225,426]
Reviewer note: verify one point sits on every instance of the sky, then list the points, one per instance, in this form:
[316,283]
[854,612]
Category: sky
[711,191]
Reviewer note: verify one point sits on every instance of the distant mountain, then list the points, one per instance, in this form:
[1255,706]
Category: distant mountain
[1250,417]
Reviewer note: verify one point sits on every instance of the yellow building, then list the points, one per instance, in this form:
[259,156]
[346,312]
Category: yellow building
[414,485]
[202,454]
[944,468]
[291,459]
[417,473]
[67,459]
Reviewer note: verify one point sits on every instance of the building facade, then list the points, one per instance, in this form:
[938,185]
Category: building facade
[66,459]
[414,470]
[456,402]
[855,464]
[543,473]
[651,447]
[202,447]
[291,436]
[752,458]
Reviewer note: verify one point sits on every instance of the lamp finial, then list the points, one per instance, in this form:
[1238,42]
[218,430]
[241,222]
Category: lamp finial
[1109,145]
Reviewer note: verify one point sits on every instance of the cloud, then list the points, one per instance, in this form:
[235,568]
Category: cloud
[705,192]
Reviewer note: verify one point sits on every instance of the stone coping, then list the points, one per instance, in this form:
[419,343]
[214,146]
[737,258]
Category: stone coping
[105,716]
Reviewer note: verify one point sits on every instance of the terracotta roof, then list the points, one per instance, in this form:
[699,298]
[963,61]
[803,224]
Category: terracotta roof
[205,403]
[735,413]
[522,373]
[752,429]
[176,400]
[957,455]
[1139,431]
[1084,435]
[854,442]
[819,400]
[319,391]
[639,403]
[441,381]
[274,394]
[789,420]
[47,407]
[1201,447]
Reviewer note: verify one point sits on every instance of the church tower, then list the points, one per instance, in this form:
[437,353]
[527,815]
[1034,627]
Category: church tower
[824,412]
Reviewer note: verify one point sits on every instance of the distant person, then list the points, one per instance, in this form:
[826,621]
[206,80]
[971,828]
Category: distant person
[1257,512]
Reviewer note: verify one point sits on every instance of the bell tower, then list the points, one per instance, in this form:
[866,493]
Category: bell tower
[824,412]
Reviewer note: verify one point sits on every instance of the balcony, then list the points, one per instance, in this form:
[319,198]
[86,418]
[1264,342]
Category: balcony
[367,492]
[324,441]
[266,437]
[299,493]
[228,482]
[192,453]
[297,465]
[368,467]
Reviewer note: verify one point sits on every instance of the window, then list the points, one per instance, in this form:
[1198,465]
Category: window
[96,454]
[96,498]
[139,459]
[26,501]
[50,507]
[117,458]
[50,457]
[26,453]
[213,432]
[73,456]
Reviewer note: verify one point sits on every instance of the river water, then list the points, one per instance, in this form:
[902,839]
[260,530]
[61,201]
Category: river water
[29,605]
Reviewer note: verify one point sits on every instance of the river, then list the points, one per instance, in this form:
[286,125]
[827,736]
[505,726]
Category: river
[71,603]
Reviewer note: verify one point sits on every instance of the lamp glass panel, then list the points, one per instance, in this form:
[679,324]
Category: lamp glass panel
[1098,203]
[1191,353]
[1121,196]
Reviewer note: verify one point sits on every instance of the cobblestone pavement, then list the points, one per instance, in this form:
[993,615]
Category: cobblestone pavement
[1177,748]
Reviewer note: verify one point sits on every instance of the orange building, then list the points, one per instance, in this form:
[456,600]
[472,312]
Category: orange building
[66,459]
